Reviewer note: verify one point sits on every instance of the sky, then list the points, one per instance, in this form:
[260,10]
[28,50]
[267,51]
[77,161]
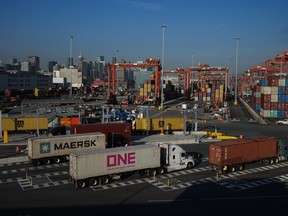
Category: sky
[197,32]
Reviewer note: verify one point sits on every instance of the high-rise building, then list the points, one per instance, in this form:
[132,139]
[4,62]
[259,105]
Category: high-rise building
[34,62]
[50,65]
[69,62]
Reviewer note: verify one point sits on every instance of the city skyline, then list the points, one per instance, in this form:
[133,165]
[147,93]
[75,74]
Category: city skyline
[198,32]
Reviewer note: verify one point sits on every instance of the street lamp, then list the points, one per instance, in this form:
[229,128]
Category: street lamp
[70,67]
[236,72]
[192,90]
[162,77]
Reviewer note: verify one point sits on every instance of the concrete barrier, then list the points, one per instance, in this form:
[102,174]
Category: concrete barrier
[14,160]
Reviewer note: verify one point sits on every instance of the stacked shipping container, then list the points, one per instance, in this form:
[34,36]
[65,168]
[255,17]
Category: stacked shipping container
[270,97]
[212,92]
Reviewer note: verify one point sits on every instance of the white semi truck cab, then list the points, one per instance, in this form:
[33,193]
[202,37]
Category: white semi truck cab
[174,157]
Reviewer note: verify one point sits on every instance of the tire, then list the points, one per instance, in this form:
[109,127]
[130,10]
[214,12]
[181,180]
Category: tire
[47,161]
[271,161]
[57,160]
[233,169]
[93,181]
[36,162]
[276,160]
[190,165]
[240,167]
[161,171]
[105,180]
[81,184]
[152,172]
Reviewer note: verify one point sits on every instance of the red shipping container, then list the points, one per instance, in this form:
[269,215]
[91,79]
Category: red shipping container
[281,106]
[123,128]
[266,97]
[274,106]
[266,106]
[231,152]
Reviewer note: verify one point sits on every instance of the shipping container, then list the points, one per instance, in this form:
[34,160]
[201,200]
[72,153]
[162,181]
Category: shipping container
[113,160]
[121,128]
[56,149]
[25,124]
[233,155]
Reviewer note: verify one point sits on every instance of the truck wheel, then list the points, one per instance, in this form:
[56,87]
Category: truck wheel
[47,161]
[190,165]
[233,169]
[105,180]
[240,167]
[93,181]
[81,184]
[36,162]
[276,160]
[57,160]
[271,161]
[161,171]
[152,172]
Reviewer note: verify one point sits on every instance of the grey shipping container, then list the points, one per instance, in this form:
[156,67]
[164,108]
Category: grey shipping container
[46,150]
[84,165]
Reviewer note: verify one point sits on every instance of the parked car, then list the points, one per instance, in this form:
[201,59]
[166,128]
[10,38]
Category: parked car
[282,122]
[124,101]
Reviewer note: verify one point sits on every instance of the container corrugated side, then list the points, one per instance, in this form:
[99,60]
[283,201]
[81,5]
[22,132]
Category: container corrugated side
[114,160]
[40,147]
[242,150]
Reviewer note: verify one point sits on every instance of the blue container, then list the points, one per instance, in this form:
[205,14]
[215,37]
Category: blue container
[286,82]
[282,98]
[257,107]
[281,90]
[263,82]
[281,114]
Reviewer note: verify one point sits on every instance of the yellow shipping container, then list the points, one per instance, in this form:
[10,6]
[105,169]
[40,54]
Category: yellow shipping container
[24,123]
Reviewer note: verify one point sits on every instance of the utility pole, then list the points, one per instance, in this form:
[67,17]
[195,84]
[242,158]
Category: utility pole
[70,67]
[236,72]
[162,60]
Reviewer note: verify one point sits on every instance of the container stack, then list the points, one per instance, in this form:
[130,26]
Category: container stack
[270,97]
[147,89]
[212,92]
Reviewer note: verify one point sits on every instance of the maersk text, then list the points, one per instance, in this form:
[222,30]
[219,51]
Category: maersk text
[78,144]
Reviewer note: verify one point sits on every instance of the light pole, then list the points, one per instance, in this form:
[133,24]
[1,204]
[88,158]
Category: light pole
[236,72]
[116,71]
[162,77]
[192,82]
[70,67]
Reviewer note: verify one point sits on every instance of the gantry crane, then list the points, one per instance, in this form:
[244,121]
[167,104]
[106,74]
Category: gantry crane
[149,62]
[205,71]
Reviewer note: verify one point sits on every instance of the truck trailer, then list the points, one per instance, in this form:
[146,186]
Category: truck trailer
[105,165]
[117,133]
[56,149]
[233,155]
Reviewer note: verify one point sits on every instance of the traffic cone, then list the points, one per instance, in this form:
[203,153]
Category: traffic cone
[17,149]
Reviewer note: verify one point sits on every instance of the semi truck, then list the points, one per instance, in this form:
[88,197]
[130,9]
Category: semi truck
[105,165]
[233,155]
[56,149]
[117,133]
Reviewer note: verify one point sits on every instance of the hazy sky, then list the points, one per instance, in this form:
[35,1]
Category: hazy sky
[101,27]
